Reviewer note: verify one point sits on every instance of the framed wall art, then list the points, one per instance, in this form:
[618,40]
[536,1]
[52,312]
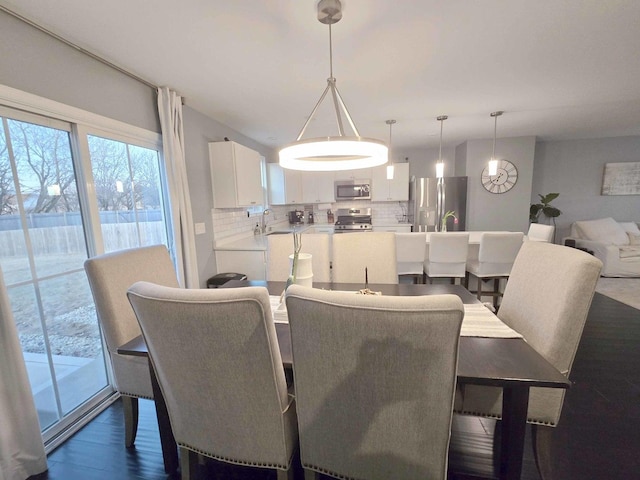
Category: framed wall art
[621,179]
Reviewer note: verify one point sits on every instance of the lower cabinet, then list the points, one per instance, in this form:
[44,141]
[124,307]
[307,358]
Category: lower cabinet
[326,229]
[253,263]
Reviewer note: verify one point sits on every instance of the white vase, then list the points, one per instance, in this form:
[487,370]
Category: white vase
[304,271]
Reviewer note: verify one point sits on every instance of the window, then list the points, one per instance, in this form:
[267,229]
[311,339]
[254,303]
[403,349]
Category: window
[128,193]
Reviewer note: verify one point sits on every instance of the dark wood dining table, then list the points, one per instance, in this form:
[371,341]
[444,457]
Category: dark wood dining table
[508,363]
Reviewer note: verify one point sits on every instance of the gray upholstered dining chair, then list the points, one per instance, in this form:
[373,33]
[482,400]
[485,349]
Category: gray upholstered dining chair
[279,247]
[353,252]
[374,378]
[497,253]
[110,275]
[447,257]
[547,300]
[216,356]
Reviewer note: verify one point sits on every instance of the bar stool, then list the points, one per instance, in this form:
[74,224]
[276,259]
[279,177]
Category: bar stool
[410,250]
[447,256]
[495,259]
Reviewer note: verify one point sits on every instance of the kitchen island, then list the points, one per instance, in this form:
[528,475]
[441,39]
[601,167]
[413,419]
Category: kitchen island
[247,253]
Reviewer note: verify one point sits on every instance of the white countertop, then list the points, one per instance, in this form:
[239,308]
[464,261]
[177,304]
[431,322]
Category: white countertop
[250,242]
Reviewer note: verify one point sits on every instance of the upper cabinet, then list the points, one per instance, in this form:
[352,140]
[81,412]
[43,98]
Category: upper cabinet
[397,189]
[360,174]
[317,187]
[236,175]
[285,185]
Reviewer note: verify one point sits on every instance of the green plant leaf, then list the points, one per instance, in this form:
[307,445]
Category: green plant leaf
[549,197]
[551,212]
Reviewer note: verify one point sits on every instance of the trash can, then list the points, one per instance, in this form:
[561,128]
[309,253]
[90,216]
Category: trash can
[222,278]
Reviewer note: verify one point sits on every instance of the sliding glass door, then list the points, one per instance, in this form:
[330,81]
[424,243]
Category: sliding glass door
[42,250]
[68,191]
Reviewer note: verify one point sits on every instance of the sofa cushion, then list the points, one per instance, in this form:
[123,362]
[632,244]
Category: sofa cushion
[630,227]
[603,230]
[633,239]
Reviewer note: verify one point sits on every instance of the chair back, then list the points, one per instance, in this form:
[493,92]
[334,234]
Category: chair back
[538,232]
[376,251]
[547,300]
[498,250]
[110,275]
[410,252]
[215,353]
[279,247]
[447,254]
[375,379]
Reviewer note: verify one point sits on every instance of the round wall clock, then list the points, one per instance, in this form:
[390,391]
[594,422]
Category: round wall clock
[503,181]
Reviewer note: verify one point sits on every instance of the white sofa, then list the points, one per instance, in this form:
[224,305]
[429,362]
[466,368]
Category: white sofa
[616,244]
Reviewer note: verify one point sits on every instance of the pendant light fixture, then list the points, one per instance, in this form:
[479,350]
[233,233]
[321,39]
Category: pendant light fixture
[390,169]
[493,161]
[333,152]
[440,185]
[440,164]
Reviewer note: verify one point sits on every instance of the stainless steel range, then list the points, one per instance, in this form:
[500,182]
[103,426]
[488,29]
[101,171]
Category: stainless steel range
[353,220]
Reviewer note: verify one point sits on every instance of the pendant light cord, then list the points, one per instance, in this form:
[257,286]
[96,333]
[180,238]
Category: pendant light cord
[495,131]
[441,125]
[330,54]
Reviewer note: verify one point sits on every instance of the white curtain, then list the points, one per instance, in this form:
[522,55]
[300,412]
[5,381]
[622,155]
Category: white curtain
[170,110]
[21,448]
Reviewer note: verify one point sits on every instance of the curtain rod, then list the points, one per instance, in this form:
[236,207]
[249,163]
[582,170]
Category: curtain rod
[77,47]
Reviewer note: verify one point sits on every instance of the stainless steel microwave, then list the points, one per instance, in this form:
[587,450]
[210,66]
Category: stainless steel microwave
[353,190]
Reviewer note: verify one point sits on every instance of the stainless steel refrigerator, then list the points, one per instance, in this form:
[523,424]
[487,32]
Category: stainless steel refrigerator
[423,203]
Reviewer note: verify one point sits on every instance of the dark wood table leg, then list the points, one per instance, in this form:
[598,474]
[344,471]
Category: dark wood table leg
[167,440]
[515,402]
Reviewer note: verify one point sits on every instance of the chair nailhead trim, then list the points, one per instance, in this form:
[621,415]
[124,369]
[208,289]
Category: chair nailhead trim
[328,472]
[499,417]
[134,395]
[234,461]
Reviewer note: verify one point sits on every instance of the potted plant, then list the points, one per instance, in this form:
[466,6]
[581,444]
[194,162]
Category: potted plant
[545,208]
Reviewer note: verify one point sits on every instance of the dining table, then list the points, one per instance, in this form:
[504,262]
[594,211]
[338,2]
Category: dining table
[508,363]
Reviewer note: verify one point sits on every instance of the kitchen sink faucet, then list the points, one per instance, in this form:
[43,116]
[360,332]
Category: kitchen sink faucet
[263,222]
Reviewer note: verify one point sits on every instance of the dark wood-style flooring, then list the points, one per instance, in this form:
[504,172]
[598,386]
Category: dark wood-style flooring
[598,436]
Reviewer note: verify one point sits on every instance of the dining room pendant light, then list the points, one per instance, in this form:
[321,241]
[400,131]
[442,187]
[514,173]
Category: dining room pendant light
[493,161]
[332,153]
[390,169]
[440,163]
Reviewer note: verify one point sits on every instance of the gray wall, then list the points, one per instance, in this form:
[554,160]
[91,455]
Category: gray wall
[506,211]
[574,168]
[34,62]
[422,162]
[199,130]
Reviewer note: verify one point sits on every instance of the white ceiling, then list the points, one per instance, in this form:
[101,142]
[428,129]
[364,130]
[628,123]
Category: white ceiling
[560,69]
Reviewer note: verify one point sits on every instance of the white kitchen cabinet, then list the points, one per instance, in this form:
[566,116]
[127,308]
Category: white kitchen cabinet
[400,228]
[318,187]
[396,189]
[322,229]
[252,263]
[360,174]
[236,176]
[285,185]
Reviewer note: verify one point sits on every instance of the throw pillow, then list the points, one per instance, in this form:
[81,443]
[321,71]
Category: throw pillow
[634,239]
[603,230]
[630,227]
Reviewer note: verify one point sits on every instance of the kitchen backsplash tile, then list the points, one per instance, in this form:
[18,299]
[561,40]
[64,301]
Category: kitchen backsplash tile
[228,222]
